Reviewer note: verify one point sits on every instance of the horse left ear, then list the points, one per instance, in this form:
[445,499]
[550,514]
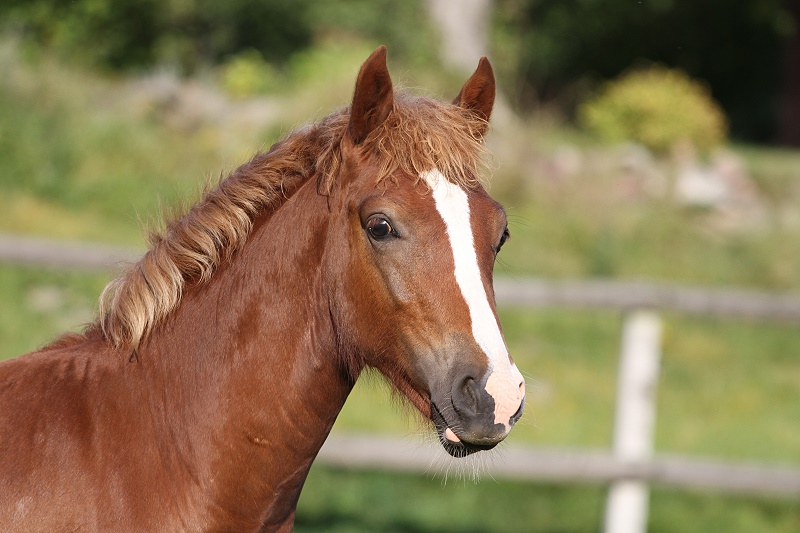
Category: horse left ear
[373,98]
[478,92]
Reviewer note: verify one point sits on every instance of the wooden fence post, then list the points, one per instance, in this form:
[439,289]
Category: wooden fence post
[634,419]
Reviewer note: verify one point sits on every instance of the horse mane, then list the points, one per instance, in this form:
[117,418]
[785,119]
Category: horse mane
[418,135]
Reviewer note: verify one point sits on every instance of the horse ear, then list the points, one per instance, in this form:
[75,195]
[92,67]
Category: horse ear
[478,92]
[373,97]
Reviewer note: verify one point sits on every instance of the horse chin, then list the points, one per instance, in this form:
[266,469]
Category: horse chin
[456,448]
[461,449]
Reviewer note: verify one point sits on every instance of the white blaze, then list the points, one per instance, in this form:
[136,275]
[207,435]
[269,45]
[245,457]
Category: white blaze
[505,382]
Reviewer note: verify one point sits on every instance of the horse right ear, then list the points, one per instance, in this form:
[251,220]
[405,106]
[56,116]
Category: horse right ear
[373,97]
[478,92]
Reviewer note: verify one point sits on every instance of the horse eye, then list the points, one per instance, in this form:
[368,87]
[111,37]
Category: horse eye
[379,228]
[503,240]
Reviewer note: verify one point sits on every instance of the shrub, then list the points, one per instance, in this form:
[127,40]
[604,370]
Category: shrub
[247,74]
[656,107]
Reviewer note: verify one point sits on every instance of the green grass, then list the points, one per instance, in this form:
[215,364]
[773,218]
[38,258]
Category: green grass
[586,232]
[345,501]
[729,389]
[776,170]
[37,305]
[338,500]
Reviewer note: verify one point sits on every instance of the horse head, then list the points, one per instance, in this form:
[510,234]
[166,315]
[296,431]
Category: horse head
[411,287]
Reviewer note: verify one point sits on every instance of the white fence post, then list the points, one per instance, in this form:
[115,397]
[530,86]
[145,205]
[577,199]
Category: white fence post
[634,419]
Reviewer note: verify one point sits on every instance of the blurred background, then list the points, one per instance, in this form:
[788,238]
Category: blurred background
[650,140]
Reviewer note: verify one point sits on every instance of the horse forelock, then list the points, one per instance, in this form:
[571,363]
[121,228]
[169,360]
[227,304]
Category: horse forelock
[419,134]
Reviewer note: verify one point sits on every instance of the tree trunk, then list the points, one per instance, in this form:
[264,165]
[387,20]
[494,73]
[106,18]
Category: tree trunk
[463,29]
[789,118]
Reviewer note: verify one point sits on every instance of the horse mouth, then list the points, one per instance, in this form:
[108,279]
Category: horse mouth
[457,448]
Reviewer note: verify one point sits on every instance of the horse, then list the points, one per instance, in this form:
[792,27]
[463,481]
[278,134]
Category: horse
[218,363]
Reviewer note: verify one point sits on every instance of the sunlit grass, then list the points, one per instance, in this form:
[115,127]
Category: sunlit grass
[337,500]
[38,305]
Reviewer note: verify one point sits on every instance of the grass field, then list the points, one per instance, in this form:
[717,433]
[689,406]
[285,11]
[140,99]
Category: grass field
[359,502]
[78,160]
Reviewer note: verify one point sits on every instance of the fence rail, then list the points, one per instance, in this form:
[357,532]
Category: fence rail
[626,295]
[52,253]
[527,463]
[597,466]
[527,292]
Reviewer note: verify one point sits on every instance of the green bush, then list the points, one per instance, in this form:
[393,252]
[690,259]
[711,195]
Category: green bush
[657,107]
[191,34]
[247,74]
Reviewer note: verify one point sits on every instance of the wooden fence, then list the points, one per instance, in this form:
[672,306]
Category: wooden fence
[631,465]
[523,292]
[528,463]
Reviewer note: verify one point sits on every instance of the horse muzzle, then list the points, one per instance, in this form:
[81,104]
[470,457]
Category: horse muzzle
[474,416]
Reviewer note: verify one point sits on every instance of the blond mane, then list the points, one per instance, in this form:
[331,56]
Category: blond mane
[419,134]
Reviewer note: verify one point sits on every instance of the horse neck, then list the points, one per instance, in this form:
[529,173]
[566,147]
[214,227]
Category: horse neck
[252,362]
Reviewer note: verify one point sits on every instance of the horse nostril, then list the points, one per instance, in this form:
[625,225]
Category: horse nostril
[468,388]
[467,399]
[516,416]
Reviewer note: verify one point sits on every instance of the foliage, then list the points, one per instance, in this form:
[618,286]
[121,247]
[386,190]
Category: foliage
[123,34]
[657,107]
[337,59]
[553,51]
[118,34]
[402,26]
[247,74]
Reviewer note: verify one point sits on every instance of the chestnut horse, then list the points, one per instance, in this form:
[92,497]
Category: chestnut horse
[219,362]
